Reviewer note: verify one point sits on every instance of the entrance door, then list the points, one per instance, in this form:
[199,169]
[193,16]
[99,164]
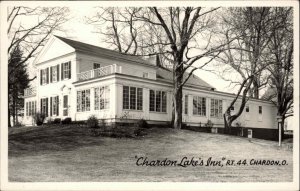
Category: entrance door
[65,106]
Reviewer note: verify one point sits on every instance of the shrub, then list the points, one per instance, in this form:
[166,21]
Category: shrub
[18,124]
[39,118]
[142,123]
[238,124]
[50,121]
[67,120]
[57,121]
[92,122]
[209,124]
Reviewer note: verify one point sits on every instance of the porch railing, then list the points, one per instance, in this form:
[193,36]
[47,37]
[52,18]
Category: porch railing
[30,92]
[99,72]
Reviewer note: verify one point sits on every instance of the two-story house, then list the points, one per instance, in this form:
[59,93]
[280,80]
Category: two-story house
[78,80]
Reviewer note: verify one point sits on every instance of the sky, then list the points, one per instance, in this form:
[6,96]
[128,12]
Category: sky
[77,29]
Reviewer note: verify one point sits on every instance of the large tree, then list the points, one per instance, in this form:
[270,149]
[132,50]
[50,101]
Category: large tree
[28,30]
[280,59]
[250,28]
[19,80]
[182,35]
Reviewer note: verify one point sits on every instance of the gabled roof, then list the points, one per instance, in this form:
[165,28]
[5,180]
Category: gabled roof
[96,50]
[164,73]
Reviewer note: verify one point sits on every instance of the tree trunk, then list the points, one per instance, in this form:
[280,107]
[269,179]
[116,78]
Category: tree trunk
[173,112]
[13,110]
[16,112]
[177,108]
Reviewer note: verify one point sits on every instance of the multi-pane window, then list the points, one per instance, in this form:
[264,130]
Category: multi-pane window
[44,76]
[102,98]
[44,106]
[132,98]
[199,106]
[66,70]
[54,73]
[216,108]
[83,100]
[186,104]
[260,109]
[96,65]
[27,108]
[145,75]
[158,101]
[65,105]
[54,103]
[30,108]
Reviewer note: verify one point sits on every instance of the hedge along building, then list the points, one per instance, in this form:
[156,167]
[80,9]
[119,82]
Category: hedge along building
[77,80]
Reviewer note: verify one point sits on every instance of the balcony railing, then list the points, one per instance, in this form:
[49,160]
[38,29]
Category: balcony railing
[99,72]
[30,92]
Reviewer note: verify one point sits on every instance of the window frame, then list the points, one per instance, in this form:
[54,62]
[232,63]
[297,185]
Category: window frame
[85,100]
[96,66]
[44,76]
[103,98]
[216,107]
[137,98]
[186,104]
[199,102]
[260,110]
[159,100]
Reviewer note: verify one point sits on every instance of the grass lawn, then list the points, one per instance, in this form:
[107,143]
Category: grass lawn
[69,153]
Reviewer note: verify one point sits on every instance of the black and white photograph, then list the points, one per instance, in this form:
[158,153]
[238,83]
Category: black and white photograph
[149,95]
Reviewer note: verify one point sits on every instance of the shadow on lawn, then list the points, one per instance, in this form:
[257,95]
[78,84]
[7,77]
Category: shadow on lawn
[52,138]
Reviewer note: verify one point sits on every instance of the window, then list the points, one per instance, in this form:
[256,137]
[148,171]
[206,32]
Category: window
[96,65]
[260,109]
[145,75]
[65,105]
[27,109]
[66,70]
[186,104]
[44,76]
[102,98]
[44,106]
[158,101]
[83,100]
[132,98]
[199,106]
[216,108]
[54,71]
[247,108]
[54,103]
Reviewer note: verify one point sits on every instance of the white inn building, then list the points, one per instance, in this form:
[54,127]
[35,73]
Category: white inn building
[78,80]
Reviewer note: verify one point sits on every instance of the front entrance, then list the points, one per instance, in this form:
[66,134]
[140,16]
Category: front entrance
[65,105]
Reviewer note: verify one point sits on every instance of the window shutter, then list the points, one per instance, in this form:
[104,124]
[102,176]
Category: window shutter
[57,72]
[62,71]
[57,110]
[41,77]
[50,106]
[69,69]
[51,72]
[46,107]
[47,75]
